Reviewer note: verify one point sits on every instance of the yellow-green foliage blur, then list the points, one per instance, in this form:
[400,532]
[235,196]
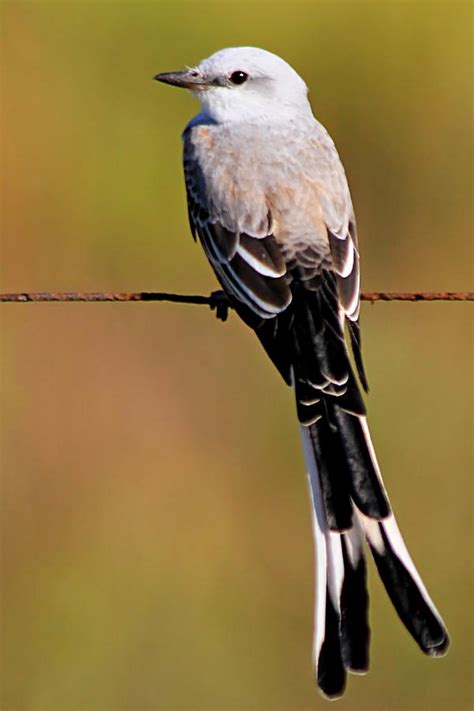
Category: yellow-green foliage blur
[156,548]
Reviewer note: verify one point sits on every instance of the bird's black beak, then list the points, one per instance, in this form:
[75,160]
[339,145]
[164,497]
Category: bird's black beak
[187,79]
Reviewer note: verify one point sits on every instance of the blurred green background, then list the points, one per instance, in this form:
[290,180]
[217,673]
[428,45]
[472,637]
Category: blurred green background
[156,543]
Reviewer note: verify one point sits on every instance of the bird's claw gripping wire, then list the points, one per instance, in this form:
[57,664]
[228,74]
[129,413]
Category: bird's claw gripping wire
[220,303]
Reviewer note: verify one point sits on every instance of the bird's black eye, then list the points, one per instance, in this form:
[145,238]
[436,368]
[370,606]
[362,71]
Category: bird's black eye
[238,77]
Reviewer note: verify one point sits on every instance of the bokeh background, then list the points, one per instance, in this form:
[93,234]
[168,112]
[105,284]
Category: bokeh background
[156,547]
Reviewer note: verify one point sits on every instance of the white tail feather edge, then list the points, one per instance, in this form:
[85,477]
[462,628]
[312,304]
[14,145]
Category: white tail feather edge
[320,531]
[391,530]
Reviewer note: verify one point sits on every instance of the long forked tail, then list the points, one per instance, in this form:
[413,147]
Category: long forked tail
[342,634]
[349,501]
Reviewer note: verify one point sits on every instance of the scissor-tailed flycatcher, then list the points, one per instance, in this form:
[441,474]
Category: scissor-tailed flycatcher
[268,199]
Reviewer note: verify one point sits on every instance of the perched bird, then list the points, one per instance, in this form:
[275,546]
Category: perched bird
[269,201]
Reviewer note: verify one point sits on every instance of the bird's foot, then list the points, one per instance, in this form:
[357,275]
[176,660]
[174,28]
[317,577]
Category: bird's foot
[220,303]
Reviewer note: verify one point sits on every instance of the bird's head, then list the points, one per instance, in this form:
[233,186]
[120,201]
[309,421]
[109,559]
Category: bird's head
[244,83]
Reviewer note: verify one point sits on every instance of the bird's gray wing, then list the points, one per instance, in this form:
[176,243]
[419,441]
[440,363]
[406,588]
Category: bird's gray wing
[338,215]
[326,170]
[236,234]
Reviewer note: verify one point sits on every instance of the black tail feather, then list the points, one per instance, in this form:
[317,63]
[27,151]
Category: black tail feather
[331,670]
[355,630]
[366,488]
[414,610]
[332,475]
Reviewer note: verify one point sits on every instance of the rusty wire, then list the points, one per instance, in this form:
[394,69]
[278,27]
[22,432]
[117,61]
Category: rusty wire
[216,301]
[215,298]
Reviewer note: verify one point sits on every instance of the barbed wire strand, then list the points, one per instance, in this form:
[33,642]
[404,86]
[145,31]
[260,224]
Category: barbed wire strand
[216,300]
